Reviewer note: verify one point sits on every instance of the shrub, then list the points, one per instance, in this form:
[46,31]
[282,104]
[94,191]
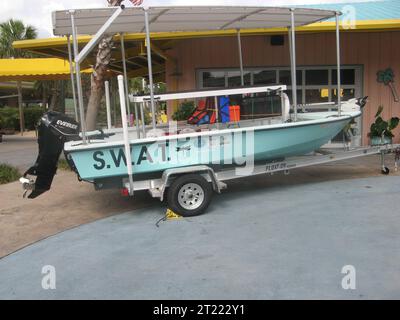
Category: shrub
[63,165]
[185,110]
[32,116]
[8,173]
[9,117]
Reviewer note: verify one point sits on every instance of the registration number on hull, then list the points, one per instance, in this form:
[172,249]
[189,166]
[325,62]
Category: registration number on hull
[270,167]
[279,166]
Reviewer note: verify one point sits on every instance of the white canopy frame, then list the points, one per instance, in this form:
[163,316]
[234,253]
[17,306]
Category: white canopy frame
[98,22]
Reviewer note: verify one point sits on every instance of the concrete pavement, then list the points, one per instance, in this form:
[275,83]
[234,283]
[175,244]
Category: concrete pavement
[254,243]
[19,151]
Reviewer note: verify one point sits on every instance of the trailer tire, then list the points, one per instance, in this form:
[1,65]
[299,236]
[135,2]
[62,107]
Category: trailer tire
[189,195]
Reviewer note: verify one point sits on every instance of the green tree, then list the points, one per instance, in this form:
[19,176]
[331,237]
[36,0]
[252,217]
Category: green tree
[13,30]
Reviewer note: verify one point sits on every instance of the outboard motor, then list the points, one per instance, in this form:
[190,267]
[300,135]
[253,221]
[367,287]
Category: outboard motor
[54,130]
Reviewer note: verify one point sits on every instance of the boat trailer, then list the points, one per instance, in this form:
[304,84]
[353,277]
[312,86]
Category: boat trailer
[174,179]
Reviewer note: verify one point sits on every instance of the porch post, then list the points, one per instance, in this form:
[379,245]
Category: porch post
[78,77]
[20,108]
[126,86]
[338,64]
[240,58]
[71,71]
[293,63]
[108,107]
[153,109]
[121,36]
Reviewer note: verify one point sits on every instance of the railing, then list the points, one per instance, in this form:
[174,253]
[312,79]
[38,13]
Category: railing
[328,106]
[144,99]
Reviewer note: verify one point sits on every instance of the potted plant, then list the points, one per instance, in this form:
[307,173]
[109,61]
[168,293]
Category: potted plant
[381,130]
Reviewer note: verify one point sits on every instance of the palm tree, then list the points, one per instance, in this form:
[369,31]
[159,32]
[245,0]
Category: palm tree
[13,30]
[103,58]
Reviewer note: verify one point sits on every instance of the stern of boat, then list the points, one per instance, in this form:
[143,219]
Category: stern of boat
[54,129]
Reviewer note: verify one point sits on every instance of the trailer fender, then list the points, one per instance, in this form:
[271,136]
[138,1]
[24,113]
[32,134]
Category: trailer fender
[208,173]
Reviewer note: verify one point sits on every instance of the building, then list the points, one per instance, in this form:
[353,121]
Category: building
[371,45]
[194,60]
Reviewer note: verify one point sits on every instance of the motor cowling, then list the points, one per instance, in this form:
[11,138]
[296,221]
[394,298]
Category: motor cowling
[54,129]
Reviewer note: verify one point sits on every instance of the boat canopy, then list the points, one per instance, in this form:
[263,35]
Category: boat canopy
[185,18]
[122,20]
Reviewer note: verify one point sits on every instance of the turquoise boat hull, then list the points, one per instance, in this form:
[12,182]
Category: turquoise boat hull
[224,147]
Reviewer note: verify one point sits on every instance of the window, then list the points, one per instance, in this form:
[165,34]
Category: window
[317,95]
[213,79]
[285,77]
[264,77]
[347,76]
[234,79]
[317,77]
[314,84]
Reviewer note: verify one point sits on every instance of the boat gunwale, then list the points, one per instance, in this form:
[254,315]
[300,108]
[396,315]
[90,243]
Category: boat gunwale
[70,148]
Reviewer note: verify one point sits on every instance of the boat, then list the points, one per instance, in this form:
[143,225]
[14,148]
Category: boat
[188,157]
[221,144]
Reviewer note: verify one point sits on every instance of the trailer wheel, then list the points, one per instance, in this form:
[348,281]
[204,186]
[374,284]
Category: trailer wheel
[189,195]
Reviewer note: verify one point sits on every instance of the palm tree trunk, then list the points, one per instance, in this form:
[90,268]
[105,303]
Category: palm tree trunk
[97,81]
[98,76]
[44,98]
[53,101]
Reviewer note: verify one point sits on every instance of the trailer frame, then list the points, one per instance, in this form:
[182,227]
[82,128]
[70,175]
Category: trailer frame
[156,187]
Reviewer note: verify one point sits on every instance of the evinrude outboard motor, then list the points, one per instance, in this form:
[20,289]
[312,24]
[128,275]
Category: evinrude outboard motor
[54,130]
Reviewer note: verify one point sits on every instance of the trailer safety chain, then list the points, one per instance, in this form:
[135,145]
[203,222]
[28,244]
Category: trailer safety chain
[169,215]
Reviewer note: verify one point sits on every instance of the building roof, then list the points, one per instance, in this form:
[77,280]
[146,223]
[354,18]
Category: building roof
[35,69]
[184,18]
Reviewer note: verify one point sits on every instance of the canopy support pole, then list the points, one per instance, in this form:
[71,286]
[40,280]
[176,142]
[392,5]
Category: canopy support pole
[240,58]
[78,77]
[293,63]
[126,81]
[339,91]
[108,107]
[142,117]
[71,71]
[153,109]
[127,146]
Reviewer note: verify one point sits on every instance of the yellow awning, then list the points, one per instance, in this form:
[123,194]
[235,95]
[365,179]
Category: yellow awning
[35,69]
[161,41]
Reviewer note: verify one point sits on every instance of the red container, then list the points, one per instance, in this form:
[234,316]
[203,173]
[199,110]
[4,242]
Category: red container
[234,113]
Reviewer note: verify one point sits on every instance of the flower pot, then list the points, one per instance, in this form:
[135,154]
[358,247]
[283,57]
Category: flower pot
[378,141]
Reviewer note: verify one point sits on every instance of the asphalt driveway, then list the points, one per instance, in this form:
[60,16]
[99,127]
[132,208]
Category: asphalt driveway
[254,243]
